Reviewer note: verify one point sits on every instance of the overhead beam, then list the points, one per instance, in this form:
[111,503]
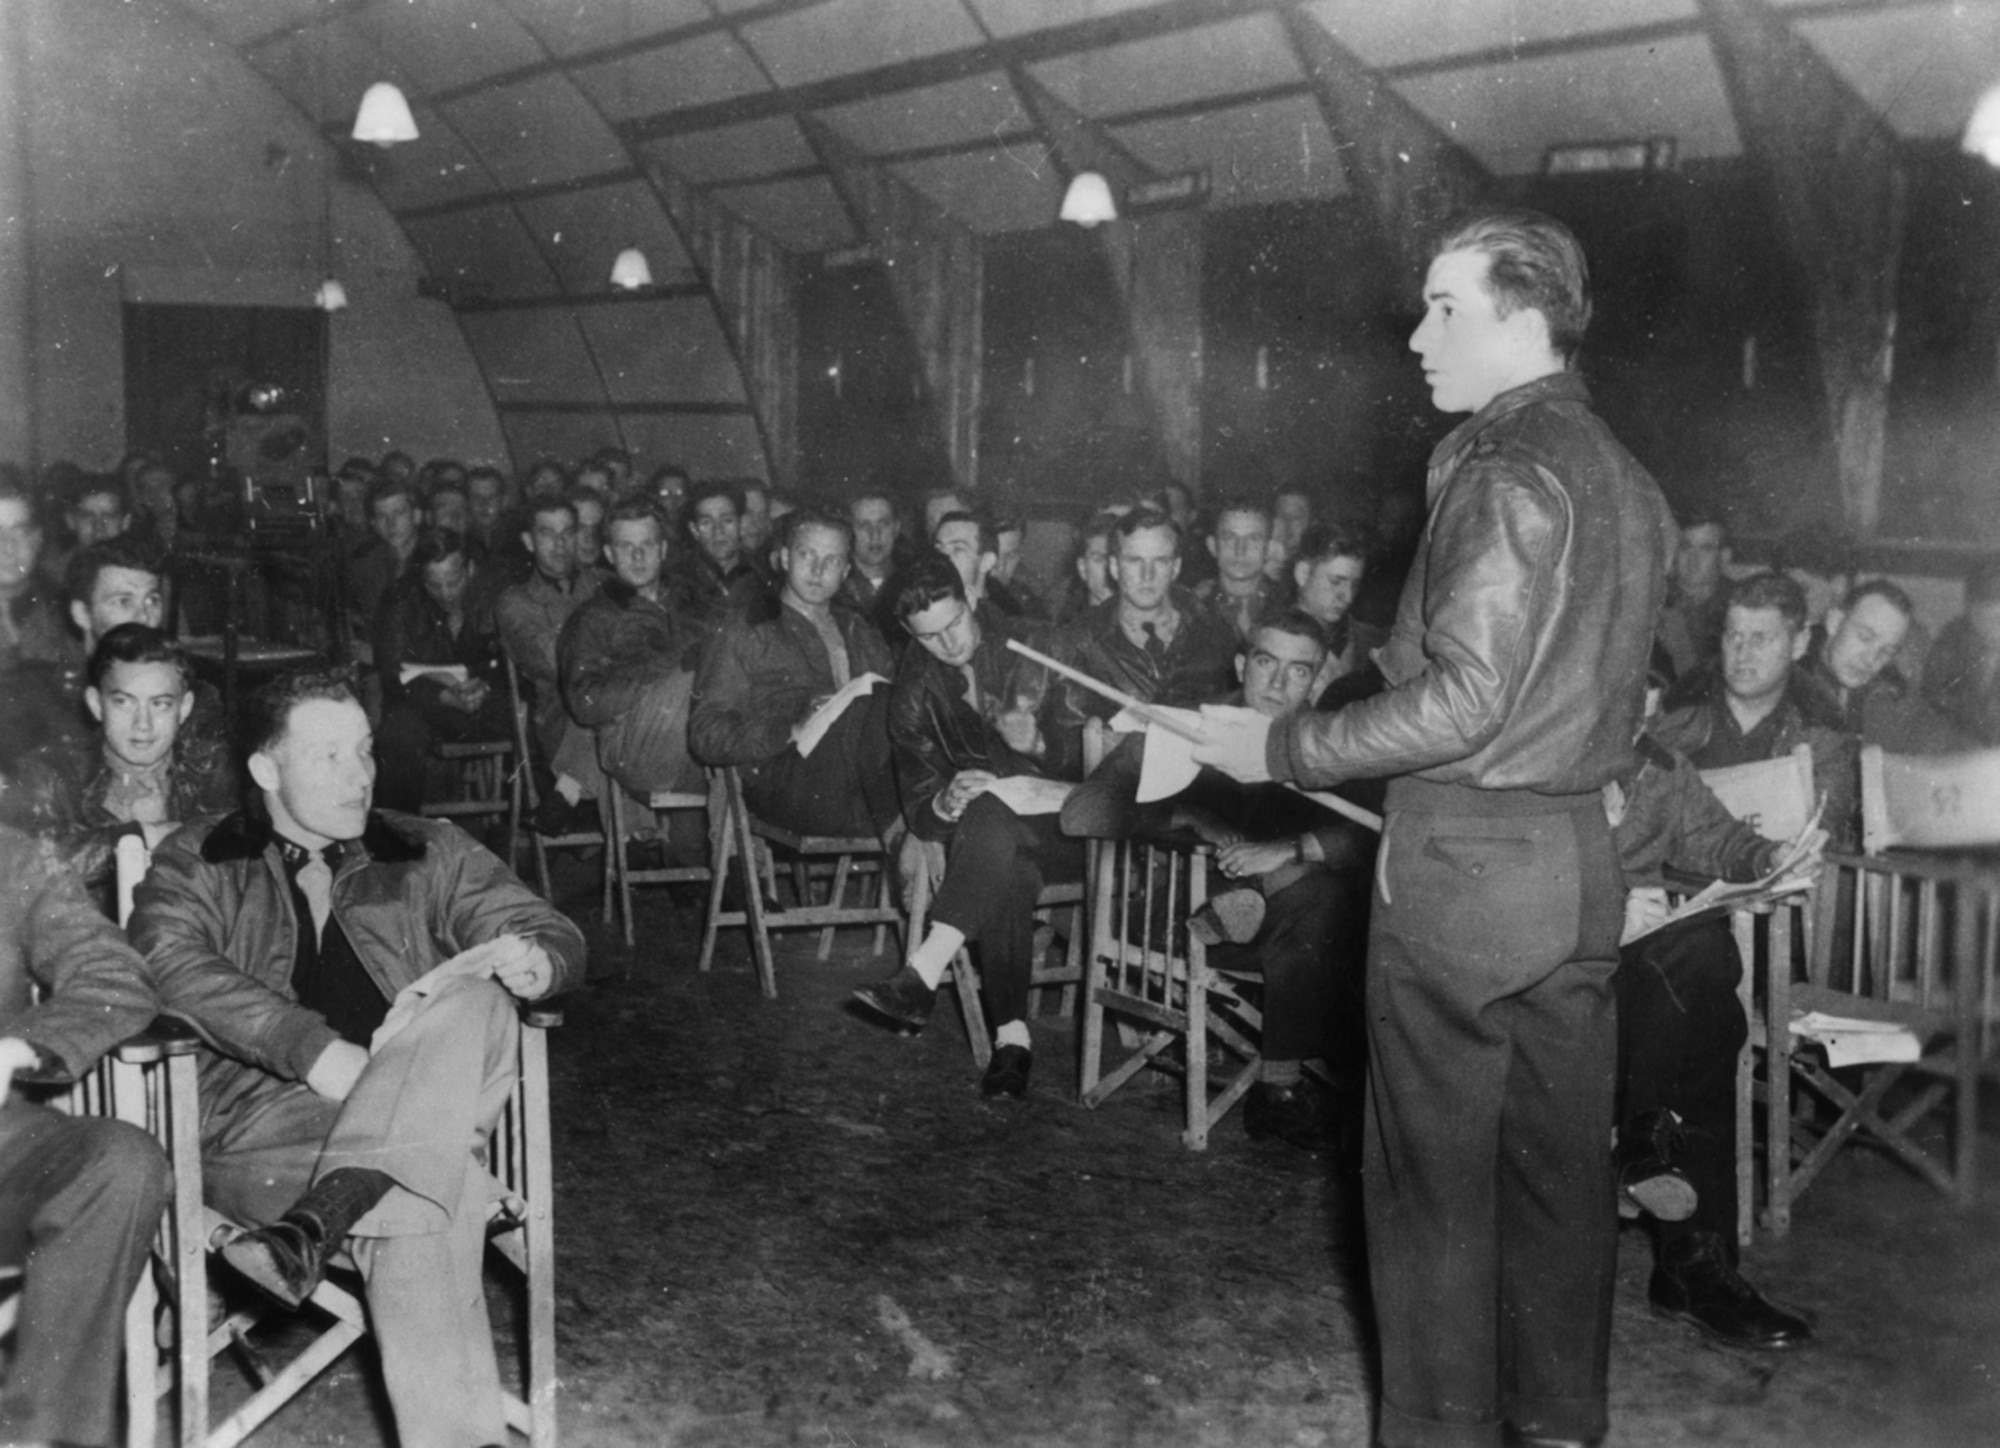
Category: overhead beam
[936,270]
[1155,262]
[1833,171]
[1405,172]
[755,290]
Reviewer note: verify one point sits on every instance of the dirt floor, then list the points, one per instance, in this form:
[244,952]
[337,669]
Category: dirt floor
[778,1224]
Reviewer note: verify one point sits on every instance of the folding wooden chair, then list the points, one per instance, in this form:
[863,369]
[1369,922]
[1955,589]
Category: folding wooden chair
[522,1234]
[618,831]
[531,799]
[1069,895]
[1918,937]
[1775,798]
[744,837]
[490,786]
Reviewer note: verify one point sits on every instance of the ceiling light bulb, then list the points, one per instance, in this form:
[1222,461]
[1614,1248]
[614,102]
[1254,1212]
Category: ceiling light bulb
[630,271]
[331,296]
[1982,132]
[384,117]
[1088,200]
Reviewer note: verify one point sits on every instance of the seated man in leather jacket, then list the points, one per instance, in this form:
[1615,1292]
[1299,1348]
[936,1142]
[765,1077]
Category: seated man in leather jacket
[967,713]
[1297,912]
[770,670]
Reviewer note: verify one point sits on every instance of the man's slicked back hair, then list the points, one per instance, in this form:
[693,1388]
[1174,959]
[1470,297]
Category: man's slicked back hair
[930,580]
[267,713]
[136,643]
[799,519]
[127,550]
[1772,590]
[1294,621]
[1140,519]
[1532,260]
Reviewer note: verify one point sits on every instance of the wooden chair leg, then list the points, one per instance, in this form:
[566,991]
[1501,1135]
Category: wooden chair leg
[837,897]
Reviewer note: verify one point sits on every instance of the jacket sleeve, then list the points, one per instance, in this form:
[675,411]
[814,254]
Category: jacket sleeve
[45,800]
[729,723]
[1500,536]
[96,988]
[526,636]
[182,922]
[922,766]
[598,687]
[1706,839]
[475,898]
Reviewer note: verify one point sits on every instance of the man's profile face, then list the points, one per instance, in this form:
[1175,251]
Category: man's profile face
[589,531]
[395,520]
[1278,672]
[948,630]
[815,564]
[142,708]
[319,777]
[98,517]
[552,543]
[637,551]
[446,581]
[1862,641]
[1759,647]
[959,541]
[875,529]
[1145,566]
[718,531]
[1007,554]
[1470,353]
[1238,543]
[1327,586]
[1093,566]
[754,527]
[120,595]
[1698,561]
[20,541]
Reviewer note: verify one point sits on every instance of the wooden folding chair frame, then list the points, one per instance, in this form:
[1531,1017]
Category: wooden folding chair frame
[744,837]
[617,835]
[540,844]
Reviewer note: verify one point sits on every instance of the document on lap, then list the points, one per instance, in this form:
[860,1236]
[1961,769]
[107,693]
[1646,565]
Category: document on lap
[1027,795]
[808,735]
[449,673]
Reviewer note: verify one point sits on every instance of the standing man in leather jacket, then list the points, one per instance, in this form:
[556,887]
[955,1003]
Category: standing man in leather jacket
[1516,674]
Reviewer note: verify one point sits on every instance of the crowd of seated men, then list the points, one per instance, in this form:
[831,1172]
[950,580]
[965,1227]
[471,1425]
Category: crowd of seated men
[660,625]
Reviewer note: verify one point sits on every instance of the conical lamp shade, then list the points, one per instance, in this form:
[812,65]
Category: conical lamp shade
[1982,133]
[331,296]
[384,117]
[630,271]
[1088,200]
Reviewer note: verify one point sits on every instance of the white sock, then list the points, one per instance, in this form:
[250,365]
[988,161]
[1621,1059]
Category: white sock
[570,789]
[933,958]
[1014,1033]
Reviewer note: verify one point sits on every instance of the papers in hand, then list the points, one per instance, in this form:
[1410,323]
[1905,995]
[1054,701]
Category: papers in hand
[443,673]
[1780,882]
[1026,795]
[1851,1042]
[1168,766]
[479,962]
[808,735]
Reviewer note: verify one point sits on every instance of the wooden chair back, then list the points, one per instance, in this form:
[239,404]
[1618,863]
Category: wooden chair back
[1944,801]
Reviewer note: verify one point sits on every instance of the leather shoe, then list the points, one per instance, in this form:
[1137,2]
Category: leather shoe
[1696,1282]
[1294,1114]
[1650,1180]
[286,1259]
[1007,1072]
[902,997]
[1232,915]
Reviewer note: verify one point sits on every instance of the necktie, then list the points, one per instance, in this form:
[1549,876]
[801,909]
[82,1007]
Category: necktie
[1155,645]
[971,684]
[316,884]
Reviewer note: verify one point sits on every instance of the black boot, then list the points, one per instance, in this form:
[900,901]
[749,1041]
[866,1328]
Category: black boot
[288,1258]
[902,997]
[1649,1176]
[1695,1281]
[1007,1073]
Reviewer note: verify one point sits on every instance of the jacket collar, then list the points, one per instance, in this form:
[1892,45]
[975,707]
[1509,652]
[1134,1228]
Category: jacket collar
[1556,387]
[242,836]
[624,595]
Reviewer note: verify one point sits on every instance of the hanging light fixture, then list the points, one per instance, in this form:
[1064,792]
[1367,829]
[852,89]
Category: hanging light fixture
[1088,200]
[331,296]
[384,117]
[630,271]
[1982,132]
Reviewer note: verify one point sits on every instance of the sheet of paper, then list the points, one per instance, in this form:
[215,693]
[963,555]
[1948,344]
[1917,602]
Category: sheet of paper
[808,735]
[1852,1042]
[1026,795]
[448,673]
[1168,766]
[480,962]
